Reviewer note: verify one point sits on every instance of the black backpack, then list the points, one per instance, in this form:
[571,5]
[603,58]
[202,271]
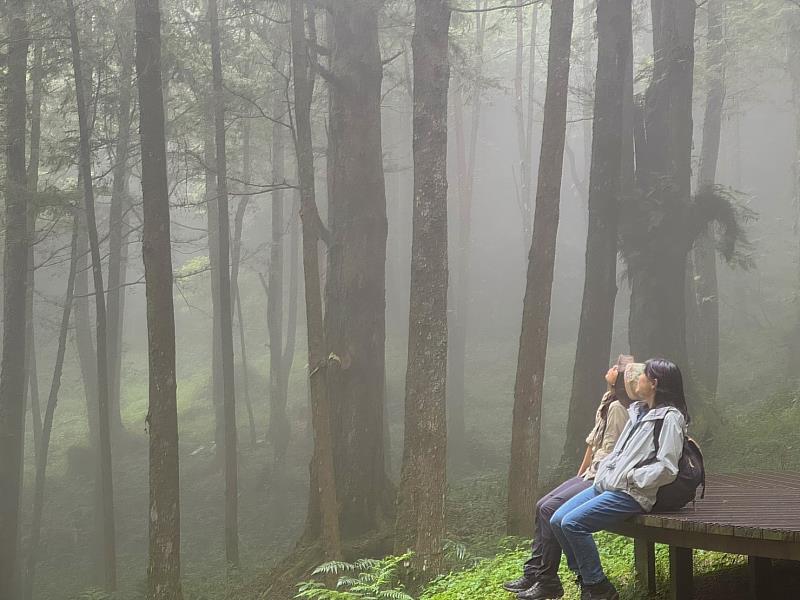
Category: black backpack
[691,475]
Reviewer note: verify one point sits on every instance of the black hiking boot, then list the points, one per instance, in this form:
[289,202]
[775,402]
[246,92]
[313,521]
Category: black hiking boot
[603,590]
[550,589]
[519,585]
[584,590]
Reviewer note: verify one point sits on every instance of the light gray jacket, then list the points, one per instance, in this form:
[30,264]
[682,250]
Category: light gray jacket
[619,471]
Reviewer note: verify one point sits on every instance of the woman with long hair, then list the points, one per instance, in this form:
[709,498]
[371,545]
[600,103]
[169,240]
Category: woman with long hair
[628,479]
[540,579]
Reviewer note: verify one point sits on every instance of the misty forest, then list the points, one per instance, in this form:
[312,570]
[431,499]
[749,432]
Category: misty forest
[315,298]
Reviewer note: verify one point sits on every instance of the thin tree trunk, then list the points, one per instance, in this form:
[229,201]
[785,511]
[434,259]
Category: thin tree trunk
[525,432]
[703,307]
[323,519]
[421,500]
[212,215]
[614,35]
[105,476]
[31,371]
[163,570]
[457,345]
[117,223]
[279,425]
[226,331]
[524,116]
[83,337]
[47,427]
[15,271]
[793,67]
[236,258]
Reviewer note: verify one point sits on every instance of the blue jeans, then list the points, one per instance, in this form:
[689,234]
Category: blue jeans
[574,523]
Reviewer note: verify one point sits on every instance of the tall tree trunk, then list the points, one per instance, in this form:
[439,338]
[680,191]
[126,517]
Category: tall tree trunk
[657,322]
[523,112]
[163,571]
[457,346]
[236,258]
[212,215]
[47,426]
[117,239]
[323,517]
[421,499]
[31,371]
[279,425]
[589,84]
[356,277]
[83,337]
[105,476]
[614,40]
[703,301]
[793,67]
[525,432]
[225,313]
[15,271]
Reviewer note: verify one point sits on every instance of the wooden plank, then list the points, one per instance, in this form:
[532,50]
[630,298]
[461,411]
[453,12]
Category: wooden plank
[760,577]
[719,543]
[680,573]
[644,554]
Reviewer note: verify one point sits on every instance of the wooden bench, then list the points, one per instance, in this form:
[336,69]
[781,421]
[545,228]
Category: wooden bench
[757,515]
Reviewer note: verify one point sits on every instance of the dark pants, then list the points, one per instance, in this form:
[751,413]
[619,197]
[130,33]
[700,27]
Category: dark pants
[546,551]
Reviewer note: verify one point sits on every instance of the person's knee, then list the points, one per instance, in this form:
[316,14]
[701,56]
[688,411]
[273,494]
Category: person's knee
[555,521]
[572,524]
[546,508]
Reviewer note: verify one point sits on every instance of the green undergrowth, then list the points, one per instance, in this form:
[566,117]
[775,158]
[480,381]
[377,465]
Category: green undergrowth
[484,580]
[472,578]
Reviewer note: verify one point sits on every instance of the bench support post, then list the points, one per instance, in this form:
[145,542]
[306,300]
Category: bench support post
[644,553]
[680,573]
[760,577]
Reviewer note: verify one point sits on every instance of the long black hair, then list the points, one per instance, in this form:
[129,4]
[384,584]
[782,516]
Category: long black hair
[669,387]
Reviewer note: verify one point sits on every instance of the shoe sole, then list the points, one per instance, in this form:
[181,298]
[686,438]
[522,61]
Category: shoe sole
[553,597]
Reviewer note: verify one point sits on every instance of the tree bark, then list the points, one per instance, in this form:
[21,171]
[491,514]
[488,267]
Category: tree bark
[105,476]
[703,307]
[614,35]
[236,259]
[279,425]
[163,571]
[226,331]
[212,215]
[47,426]
[83,337]
[15,270]
[657,322]
[117,240]
[356,277]
[31,371]
[457,345]
[526,425]
[523,112]
[793,68]
[421,498]
[323,518]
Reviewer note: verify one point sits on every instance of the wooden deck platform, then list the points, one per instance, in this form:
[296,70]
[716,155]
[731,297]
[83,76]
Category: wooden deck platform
[756,514]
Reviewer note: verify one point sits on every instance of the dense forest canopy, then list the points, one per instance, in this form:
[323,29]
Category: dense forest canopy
[295,281]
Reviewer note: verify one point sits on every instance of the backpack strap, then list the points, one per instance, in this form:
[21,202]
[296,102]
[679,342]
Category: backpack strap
[657,427]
